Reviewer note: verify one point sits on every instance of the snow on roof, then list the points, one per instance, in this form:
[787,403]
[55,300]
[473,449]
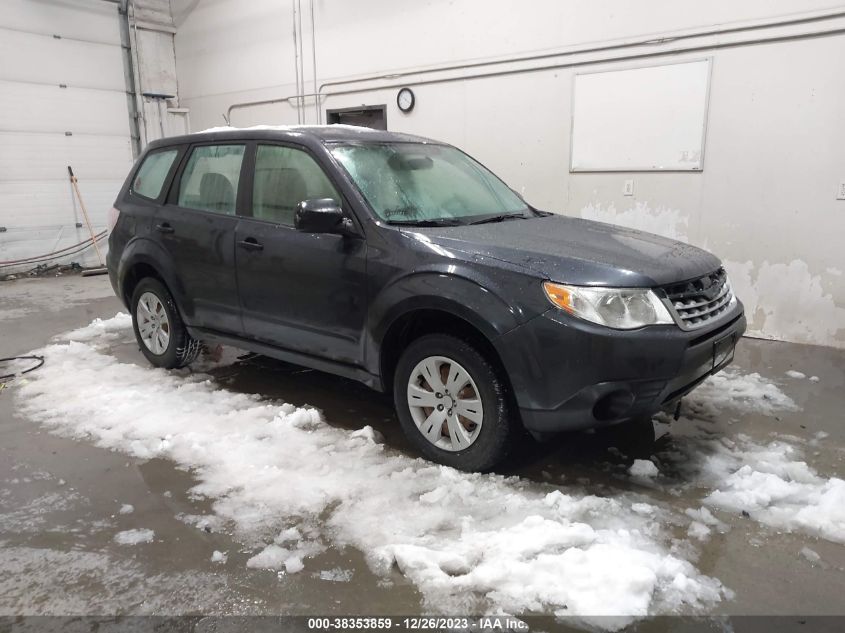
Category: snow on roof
[289,128]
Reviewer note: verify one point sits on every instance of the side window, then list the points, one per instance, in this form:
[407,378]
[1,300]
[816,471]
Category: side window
[284,177]
[210,179]
[153,172]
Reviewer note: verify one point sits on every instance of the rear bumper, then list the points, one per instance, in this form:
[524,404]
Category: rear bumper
[569,374]
[111,265]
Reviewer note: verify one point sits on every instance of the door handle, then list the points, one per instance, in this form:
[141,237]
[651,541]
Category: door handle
[164,228]
[251,244]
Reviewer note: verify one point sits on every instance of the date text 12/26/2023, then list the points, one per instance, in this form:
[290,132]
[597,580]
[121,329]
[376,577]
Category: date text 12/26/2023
[418,623]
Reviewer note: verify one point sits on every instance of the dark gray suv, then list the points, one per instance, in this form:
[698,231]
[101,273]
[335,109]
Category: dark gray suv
[405,264]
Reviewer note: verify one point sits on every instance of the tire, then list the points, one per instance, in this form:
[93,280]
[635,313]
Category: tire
[173,347]
[480,446]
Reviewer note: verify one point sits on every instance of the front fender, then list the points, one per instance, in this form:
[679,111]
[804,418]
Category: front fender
[467,296]
[440,291]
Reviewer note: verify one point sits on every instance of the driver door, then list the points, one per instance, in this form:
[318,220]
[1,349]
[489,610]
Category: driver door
[304,292]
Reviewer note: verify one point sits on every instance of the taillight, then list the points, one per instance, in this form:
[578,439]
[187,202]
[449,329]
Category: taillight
[114,214]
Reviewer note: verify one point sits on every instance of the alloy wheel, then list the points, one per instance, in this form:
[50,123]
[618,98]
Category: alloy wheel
[445,403]
[153,324]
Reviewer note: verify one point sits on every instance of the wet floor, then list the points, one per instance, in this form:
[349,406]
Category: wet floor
[60,499]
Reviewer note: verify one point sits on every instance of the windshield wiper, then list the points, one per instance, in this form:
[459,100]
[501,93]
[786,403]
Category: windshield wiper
[433,222]
[499,218]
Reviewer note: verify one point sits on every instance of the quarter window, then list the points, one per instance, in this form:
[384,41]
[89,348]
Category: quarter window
[284,177]
[153,171]
[210,179]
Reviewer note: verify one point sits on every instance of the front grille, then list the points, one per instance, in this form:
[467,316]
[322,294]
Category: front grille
[699,302]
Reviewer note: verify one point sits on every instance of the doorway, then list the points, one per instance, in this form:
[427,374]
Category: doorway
[365,116]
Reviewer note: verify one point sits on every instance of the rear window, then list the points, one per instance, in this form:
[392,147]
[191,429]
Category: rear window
[153,171]
[210,179]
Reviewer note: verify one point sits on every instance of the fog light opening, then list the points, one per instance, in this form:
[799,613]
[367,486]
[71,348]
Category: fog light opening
[613,405]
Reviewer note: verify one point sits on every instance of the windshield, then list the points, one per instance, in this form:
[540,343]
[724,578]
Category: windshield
[416,183]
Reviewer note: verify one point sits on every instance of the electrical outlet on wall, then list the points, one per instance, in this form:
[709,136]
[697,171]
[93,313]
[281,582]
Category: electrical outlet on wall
[840,192]
[628,188]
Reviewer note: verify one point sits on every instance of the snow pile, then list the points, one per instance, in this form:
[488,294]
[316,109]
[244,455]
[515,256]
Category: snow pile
[286,480]
[127,508]
[643,468]
[336,575]
[133,537]
[768,481]
[703,522]
[219,557]
[775,488]
[798,375]
[810,555]
[744,393]
[101,330]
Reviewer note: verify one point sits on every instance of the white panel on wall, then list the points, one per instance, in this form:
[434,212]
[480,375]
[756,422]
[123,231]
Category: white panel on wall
[38,157]
[53,61]
[69,19]
[44,127]
[26,107]
[641,119]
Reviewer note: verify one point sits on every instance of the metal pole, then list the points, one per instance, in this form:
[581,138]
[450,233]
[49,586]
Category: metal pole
[161,118]
[296,63]
[129,77]
[301,88]
[137,48]
[319,118]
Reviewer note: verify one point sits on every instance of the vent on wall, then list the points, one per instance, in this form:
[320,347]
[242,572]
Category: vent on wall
[364,116]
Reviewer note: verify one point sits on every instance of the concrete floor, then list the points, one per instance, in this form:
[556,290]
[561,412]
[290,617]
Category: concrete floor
[59,498]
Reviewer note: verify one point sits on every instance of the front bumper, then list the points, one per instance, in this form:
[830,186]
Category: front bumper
[567,373]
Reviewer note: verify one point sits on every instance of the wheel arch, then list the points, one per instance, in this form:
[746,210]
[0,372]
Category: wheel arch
[143,258]
[434,300]
[420,321]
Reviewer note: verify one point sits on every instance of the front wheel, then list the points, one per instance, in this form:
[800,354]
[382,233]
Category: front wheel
[452,403]
[159,330]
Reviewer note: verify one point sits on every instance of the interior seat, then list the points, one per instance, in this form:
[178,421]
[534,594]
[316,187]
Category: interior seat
[217,193]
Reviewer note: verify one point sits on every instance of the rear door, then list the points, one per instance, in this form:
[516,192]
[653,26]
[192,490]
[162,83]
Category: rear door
[305,292]
[197,229]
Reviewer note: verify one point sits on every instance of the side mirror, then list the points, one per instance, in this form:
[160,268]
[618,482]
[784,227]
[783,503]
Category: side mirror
[319,215]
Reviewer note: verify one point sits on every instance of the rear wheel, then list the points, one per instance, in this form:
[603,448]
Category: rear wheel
[161,335]
[452,403]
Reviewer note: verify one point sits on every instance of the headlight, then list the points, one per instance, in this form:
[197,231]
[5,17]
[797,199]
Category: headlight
[620,308]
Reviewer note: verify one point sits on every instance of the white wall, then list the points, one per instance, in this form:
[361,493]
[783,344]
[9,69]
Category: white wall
[775,146]
[62,102]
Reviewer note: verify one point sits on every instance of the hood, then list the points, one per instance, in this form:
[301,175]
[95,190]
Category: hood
[579,252]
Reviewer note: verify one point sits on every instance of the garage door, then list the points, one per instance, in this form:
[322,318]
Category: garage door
[62,102]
